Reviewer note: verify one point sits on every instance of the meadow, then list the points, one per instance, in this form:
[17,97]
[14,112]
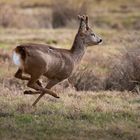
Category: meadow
[104,103]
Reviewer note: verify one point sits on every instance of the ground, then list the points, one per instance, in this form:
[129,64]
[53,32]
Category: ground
[76,115]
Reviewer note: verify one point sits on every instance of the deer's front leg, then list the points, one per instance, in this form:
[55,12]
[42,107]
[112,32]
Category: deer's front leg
[32,84]
[50,84]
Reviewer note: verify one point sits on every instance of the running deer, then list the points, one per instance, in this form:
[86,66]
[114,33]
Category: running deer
[54,63]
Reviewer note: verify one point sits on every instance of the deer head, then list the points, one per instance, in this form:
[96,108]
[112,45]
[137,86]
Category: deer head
[86,33]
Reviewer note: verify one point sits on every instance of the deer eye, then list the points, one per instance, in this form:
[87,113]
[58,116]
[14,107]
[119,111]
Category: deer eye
[93,34]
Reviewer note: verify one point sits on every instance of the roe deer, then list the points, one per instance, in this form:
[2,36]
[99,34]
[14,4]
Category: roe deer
[54,63]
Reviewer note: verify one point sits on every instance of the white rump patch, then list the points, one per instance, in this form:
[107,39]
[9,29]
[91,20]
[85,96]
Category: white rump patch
[17,59]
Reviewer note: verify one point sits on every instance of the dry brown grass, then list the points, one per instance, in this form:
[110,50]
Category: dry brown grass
[76,115]
[125,72]
[87,80]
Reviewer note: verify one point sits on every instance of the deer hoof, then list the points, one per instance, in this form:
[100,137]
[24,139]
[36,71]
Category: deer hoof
[28,92]
[57,97]
[39,83]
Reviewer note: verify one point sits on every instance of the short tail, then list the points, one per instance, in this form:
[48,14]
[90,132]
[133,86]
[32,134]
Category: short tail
[19,56]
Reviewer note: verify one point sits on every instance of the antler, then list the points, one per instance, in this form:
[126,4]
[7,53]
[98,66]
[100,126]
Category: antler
[87,27]
[82,22]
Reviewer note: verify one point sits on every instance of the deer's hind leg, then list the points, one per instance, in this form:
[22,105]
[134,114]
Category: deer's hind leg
[19,75]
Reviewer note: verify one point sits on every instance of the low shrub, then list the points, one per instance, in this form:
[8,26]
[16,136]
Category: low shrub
[86,79]
[125,73]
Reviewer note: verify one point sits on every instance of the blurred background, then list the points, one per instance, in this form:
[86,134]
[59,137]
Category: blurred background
[55,22]
[36,14]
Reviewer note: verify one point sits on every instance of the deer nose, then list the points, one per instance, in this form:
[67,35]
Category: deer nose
[100,40]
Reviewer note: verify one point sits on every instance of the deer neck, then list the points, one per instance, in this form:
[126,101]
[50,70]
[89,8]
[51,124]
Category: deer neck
[78,49]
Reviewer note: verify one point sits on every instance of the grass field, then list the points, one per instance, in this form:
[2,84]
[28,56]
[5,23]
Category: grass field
[93,114]
[76,115]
